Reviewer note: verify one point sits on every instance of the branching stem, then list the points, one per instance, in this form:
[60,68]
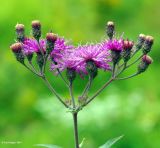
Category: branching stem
[53,91]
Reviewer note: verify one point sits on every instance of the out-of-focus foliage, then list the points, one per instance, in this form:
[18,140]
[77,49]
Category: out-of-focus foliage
[28,111]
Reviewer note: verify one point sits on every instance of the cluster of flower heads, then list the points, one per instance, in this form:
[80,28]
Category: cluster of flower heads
[82,59]
[78,57]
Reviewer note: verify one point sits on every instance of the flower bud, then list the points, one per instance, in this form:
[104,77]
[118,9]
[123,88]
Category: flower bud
[20,32]
[148,44]
[116,56]
[29,57]
[146,61]
[71,74]
[140,41]
[36,29]
[127,46]
[110,29]
[51,39]
[82,100]
[40,60]
[17,50]
[16,47]
[91,69]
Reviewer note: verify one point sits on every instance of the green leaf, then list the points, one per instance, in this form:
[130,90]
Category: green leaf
[82,143]
[47,145]
[111,142]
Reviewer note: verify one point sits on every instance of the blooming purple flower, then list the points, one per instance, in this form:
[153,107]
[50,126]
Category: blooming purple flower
[78,57]
[93,52]
[114,45]
[59,48]
[63,59]
[30,46]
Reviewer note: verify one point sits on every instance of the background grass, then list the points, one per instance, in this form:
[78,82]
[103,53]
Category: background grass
[30,114]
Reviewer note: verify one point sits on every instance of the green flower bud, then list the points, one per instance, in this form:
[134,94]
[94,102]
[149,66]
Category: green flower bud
[71,74]
[110,29]
[36,29]
[148,44]
[17,50]
[51,39]
[140,41]
[91,69]
[116,56]
[40,60]
[146,61]
[126,53]
[20,32]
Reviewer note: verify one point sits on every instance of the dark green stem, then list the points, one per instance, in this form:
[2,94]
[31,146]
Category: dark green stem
[127,77]
[99,91]
[75,129]
[134,61]
[71,94]
[32,70]
[53,91]
[62,77]
[88,86]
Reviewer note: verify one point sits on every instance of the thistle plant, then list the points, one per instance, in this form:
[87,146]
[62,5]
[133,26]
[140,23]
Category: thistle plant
[113,55]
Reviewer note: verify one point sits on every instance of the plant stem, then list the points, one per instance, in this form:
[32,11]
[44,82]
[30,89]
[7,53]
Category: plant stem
[53,91]
[127,77]
[134,61]
[87,87]
[75,129]
[71,94]
[127,66]
[124,67]
[39,75]
[99,91]
[62,77]
[113,70]
[44,64]
[41,50]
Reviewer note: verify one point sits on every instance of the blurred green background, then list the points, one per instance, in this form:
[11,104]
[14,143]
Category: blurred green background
[28,111]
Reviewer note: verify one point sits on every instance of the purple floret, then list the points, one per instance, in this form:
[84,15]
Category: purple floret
[115,45]
[77,57]
[31,46]
[60,47]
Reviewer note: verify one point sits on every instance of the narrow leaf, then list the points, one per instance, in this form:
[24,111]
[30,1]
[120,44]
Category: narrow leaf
[47,145]
[82,143]
[111,142]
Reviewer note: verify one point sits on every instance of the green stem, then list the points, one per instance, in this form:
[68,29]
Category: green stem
[71,94]
[124,67]
[53,91]
[131,63]
[113,70]
[88,86]
[41,50]
[44,64]
[99,91]
[127,77]
[32,70]
[75,129]
[62,77]
[134,61]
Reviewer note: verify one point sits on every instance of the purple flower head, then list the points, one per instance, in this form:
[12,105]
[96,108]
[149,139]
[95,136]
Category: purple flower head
[114,45]
[92,52]
[59,47]
[78,57]
[30,46]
